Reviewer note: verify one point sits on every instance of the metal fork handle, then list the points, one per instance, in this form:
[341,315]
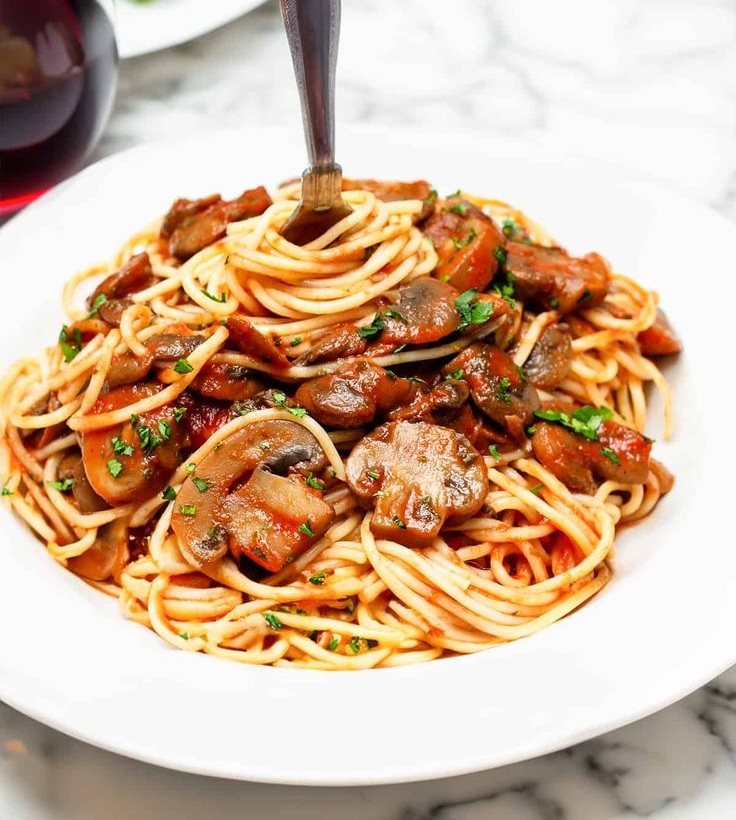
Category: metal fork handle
[313,29]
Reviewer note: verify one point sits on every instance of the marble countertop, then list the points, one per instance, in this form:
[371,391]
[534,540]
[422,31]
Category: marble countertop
[647,84]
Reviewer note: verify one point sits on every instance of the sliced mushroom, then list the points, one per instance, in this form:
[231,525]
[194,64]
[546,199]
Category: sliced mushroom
[497,385]
[424,311]
[192,225]
[391,191]
[127,368]
[418,476]
[107,556]
[551,279]
[227,382]
[135,275]
[659,339]
[342,342]
[468,244]
[272,518]
[204,520]
[131,462]
[619,454]
[254,343]
[549,362]
[355,395]
[71,468]
[438,405]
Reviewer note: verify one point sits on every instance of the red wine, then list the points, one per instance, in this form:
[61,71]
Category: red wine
[58,68]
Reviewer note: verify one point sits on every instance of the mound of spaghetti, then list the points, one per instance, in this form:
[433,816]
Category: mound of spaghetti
[413,437]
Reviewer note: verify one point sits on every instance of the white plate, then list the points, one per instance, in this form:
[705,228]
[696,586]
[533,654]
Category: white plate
[157,24]
[663,626]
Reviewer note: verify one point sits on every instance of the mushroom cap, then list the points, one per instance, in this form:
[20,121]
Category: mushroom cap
[418,476]
[200,518]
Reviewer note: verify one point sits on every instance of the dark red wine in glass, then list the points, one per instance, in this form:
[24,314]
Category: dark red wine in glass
[58,68]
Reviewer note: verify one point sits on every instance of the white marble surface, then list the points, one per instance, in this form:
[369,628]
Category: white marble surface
[647,84]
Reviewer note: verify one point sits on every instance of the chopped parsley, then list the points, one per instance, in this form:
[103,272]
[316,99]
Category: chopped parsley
[149,440]
[554,302]
[114,467]
[306,529]
[318,579]
[398,522]
[502,391]
[121,447]
[222,298]
[376,326]
[179,413]
[455,376]
[295,341]
[509,228]
[459,208]
[134,419]
[184,636]
[164,428]
[187,509]
[471,311]
[610,455]
[335,641]
[392,313]
[585,420]
[431,196]
[265,444]
[462,243]
[191,467]
[169,494]
[70,346]
[272,619]
[200,484]
[500,254]
[97,303]
[182,366]
[315,483]
[493,451]
[62,486]
[6,490]
[531,429]
[372,474]
[506,290]
[279,400]
[357,644]
[536,489]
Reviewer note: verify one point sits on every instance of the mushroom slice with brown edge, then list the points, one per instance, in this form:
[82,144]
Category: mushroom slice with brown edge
[110,298]
[419,476]
[549,362]
[274,518]
[132,461]
[107,556]
[354,395]
[208,515]
[497,386]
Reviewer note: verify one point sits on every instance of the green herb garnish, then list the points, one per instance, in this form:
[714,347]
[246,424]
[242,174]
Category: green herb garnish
[306,529]
[114,467]
[471,311]
[584,421]
[182,366]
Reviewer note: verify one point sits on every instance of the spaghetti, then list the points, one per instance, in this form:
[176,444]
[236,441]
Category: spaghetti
[149,416]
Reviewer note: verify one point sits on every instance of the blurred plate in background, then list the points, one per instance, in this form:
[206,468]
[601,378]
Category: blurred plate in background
[156,24]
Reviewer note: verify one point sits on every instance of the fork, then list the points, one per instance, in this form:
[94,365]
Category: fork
[312,29]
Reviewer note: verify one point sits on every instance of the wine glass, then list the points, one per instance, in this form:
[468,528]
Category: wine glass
[58,71]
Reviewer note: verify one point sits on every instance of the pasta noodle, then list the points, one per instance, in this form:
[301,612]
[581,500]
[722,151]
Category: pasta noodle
[535,550]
